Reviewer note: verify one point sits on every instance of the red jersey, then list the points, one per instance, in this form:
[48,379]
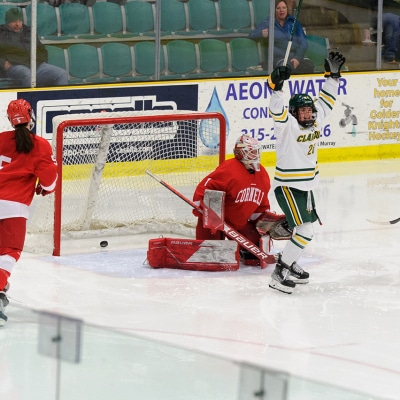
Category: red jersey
[19,173]
[245,193]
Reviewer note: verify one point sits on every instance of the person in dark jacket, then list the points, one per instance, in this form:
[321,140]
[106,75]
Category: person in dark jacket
[15,54]
[390,36]
[282,31]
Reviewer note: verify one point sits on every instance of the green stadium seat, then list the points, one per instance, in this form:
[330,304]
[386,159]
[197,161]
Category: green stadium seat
[144,53]
[235,15]
[107,18]
[75,22]
[245,55]
[261,10]
[202,16]
[139,18]
[47,25]
[83,63]
[117,62]
[318,48]
[56,56]
[214,58]
[173,19]
[182,59]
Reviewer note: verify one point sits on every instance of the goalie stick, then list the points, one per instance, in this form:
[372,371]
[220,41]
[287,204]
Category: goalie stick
[292,33]
[393,221]
[228,230]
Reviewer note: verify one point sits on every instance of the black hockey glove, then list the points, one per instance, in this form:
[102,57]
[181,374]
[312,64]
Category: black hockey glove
[333,64]
[278,76]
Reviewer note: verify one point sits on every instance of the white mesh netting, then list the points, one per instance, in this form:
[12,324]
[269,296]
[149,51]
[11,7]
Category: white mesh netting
[104,184]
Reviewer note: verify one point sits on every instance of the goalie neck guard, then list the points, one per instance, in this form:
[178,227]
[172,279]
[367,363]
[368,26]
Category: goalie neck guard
[247,150]
[298,101]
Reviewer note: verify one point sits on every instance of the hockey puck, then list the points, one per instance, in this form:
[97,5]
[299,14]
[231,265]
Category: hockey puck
[103,243]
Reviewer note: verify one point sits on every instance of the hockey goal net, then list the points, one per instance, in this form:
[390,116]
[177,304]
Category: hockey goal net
[102,185]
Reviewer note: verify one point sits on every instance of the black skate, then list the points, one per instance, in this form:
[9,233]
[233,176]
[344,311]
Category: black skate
[297,274]
[3,304]
[281,279]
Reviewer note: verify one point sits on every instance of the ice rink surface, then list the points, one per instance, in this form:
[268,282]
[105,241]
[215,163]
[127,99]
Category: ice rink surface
[342,328]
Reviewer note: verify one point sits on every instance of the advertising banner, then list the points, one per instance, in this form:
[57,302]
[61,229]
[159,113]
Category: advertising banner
[366,112]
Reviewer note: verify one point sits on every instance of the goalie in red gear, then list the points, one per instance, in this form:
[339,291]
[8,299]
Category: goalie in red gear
[27,166]
[246,185]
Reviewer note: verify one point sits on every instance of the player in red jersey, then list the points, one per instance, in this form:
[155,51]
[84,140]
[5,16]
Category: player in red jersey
[246,184]
[27,166]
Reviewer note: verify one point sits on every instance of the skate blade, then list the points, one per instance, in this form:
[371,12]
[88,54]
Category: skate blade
[299,281]
[3,318]
[278,286]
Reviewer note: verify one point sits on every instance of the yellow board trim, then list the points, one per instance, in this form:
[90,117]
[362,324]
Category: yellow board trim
[208,163]
[339,154]
[136,168]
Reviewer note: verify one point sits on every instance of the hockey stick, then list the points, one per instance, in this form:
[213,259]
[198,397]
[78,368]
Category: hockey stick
[393,221]
[228,230]
[292,33]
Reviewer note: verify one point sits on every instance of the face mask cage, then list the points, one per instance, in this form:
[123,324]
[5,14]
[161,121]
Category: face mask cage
[251,158]
[247,150]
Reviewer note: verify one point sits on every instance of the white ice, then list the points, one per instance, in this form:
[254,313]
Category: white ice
[342,329]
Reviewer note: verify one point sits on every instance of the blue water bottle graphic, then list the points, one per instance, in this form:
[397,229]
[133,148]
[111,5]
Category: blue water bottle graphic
[209,136]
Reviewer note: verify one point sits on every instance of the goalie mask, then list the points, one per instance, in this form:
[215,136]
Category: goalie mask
[247,150]
[303,101]
[20,112]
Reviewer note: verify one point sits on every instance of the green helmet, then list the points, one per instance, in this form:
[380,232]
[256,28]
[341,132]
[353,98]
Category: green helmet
[302,100]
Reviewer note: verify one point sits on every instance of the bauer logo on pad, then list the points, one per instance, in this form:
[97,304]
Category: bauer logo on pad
[196,255]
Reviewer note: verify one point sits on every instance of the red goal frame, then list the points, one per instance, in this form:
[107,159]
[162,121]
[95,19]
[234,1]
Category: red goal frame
[90,121]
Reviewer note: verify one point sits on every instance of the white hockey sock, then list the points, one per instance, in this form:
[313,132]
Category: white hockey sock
[291,253]
[294,247]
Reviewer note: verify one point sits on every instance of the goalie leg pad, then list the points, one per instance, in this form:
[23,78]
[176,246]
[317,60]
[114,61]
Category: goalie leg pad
[195,255]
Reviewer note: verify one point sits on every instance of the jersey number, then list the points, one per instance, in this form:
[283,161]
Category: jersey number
[4,159]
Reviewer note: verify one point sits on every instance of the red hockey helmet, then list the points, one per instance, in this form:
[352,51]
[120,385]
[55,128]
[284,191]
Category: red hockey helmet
[247,150]
[20,112]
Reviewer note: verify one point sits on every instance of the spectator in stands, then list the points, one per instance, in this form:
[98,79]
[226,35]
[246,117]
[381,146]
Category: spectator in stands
[390,36]
[282,31]
[15,54]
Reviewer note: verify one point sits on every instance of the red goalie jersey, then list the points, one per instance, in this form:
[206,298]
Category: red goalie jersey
[246,192]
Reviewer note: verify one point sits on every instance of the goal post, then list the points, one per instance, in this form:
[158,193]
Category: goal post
[102,184]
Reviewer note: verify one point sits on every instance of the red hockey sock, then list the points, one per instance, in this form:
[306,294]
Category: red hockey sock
[4,275]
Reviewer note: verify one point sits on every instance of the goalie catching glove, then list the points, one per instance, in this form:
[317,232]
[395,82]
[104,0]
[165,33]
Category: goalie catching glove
[278,76]
[275,225]
[333,64]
